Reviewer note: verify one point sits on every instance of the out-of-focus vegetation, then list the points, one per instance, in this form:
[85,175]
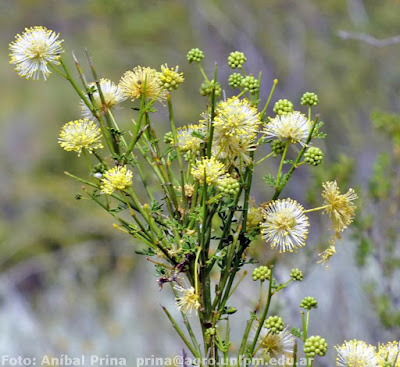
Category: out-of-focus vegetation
[297,42]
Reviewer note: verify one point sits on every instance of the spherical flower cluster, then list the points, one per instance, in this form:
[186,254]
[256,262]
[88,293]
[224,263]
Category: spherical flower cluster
[229,186]
[283,106]
[112,97]
[339,207]
[254,217]
[117,178]
[308,303]
[250,84]
[296,274]
[356,353]
[190,138]
[34,50]
[170,78]
[142,81]
[208,87]
[310,99]
[292,127]
[236,59]
[235,128]
[209,170]
[80,134]
[188,300]
[277,147]
[315,345]
[195,54]
[313,156]
[235,80]
[274,345]
[261,273]
[388,354]
[274,324]
[285,225]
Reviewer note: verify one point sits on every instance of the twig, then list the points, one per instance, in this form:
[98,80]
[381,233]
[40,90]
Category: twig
[369,39]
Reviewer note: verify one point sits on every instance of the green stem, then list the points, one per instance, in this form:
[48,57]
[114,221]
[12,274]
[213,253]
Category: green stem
[262,114]
[278,177]
[180,333]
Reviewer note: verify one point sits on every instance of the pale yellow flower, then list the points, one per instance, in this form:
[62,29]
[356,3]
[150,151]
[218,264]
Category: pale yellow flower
[271,345]
[112,97]
[170,78]
[142,80]
[285,225]
[293,127]
[80,134]
[356,353]
[188,300]
[326,255]
[34,50]
[117,178]
[339,207]
[388,354]
[190,137]
[235,129]
[209,170]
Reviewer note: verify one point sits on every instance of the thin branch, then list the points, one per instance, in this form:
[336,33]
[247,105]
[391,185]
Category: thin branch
[369,39]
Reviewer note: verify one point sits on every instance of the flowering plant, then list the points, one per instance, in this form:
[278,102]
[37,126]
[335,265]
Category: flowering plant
[199,224]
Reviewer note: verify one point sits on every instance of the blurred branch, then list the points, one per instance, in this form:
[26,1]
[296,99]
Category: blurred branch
[369,39]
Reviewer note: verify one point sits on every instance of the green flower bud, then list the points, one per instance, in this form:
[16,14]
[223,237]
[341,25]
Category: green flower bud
[170,78]
[99,168]
[235,80]
[310,99]
[210,331]
[236,59]
[315,345]
[195,54]
[169,138]
[206,88]
[250,84]
[229,186]
[283,106]
[296,274]
[277,146]
[261,273]
[274,324]
[313,156]
[308,303]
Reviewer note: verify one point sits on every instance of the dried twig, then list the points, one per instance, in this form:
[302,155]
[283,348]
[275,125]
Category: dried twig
[369,39]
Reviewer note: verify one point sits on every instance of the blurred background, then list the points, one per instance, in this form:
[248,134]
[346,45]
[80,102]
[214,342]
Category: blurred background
[71,284]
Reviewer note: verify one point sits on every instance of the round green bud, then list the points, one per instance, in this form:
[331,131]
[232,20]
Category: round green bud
[195,54]
[277,146]
[99,168]
[274,324]
[261,273]
[207,88]
[235,80]
[315,345]
[308,303]
[169,138]
[229,186]
[236,59]
[313,156]
[210,331]
[296,274]
[250,84]
[283,106]
[310,99]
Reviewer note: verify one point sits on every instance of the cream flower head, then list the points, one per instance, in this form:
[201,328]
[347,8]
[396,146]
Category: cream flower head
[80,134]
[142,80]
[34,50]
[292,127]
[285,225]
